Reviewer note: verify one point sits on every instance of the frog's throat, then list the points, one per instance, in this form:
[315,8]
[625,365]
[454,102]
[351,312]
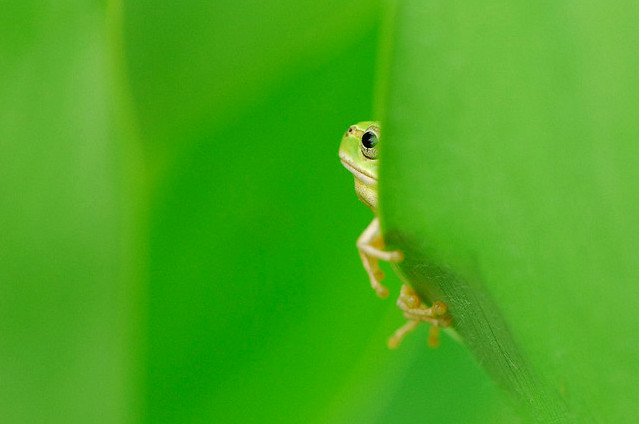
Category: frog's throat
[367,194]
[365,178]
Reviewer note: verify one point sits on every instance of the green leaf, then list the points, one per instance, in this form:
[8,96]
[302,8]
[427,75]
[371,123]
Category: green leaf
[195,66]
[68,250]
[509,178]
[177,234]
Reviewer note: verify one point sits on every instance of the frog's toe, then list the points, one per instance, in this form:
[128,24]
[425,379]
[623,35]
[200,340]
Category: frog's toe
[439,308]
[398,336]
[382,291]
[396,256]
[433,339]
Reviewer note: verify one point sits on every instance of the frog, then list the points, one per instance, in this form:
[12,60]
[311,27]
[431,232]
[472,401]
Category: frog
[359,153]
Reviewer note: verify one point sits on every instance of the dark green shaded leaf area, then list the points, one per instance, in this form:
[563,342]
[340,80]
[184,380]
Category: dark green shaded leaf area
[509,178]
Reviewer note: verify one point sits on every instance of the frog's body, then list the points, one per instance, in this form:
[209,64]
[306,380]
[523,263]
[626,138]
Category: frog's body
[359,154]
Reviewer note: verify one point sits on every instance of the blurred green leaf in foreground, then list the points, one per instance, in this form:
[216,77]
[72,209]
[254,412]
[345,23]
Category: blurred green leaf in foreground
[509,176]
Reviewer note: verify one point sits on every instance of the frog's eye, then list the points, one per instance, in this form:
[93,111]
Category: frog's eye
[369,142]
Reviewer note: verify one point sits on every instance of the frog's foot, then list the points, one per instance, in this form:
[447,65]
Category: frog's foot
[416,311]
[370,247]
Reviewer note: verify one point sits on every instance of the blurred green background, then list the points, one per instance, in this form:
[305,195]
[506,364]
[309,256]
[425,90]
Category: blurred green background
[177,233]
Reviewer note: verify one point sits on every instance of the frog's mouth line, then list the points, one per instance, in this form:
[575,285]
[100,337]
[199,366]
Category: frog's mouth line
[362,176]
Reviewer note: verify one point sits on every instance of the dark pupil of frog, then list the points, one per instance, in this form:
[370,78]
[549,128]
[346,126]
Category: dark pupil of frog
[369,139]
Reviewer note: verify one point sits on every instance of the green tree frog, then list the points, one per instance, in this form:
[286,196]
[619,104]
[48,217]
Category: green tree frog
[359,154]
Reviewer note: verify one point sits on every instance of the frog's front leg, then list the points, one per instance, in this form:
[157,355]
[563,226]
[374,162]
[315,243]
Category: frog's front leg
[370,247]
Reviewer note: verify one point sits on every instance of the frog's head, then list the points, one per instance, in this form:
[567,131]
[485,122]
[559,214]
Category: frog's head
[359,154]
